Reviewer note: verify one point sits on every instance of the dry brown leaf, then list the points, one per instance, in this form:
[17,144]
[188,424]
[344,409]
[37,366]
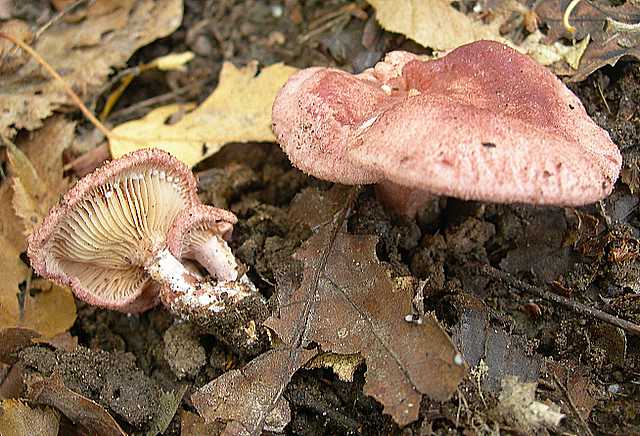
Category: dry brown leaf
[239,110]
[36,170]
[18,419]
[35,184]
[434,23]
[84,54]
[12,270]
[81,410]
[488,349]
[13,340]
[610,28]
[348,303]
[251,398]
[192,424]
[46,308]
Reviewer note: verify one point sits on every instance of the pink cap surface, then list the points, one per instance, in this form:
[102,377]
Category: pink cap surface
[99,235]
[483,122]
[195,224]
[199,233]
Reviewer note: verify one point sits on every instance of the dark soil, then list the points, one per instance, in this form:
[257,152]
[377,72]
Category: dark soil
[590,255]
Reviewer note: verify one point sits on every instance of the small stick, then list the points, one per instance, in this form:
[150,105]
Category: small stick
[572,405]
[24,46]
[495,273]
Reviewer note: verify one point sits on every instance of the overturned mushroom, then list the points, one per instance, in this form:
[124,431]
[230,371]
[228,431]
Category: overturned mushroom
[483,122]
[107,239]
[200,233]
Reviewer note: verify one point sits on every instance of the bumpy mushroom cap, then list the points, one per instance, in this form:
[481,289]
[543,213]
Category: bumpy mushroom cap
[109,225]
[483,122]
[199,233]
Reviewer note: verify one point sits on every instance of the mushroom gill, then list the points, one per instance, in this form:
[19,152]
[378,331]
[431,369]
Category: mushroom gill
[107,238]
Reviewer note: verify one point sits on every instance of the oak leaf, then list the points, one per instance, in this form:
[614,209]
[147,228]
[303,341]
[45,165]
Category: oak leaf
[84,53]
[346,303]
[239,110]
[434,23]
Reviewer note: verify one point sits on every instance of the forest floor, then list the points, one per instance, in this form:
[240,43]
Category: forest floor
[487,269]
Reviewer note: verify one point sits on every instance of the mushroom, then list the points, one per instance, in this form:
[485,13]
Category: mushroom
[484,122]
[200,233]
[107,239]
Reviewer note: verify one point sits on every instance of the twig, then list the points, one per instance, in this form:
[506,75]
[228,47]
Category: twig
[495,273]
[572,405]
[24,46]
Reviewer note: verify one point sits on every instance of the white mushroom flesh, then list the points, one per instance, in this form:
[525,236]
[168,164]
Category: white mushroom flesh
[212,252]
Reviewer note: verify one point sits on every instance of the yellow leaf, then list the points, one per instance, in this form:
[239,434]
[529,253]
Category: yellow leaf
[36,170]
[58,304]
[18,419]
[239,110]
[35,184]
[51,309]
[84,52]
[434,23]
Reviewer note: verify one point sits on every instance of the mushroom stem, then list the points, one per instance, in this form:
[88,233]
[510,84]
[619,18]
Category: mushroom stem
[216,256]
[188,295]
[401,199]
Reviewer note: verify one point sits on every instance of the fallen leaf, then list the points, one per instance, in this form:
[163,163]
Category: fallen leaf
[52,392]
[491,352]
[348,303]
[84,53]
[239,110]
[612,37]
[583,392]
[192,424]
[36,180]
[18,419]
[12,341]
[343,365]
[36,170]
[518,406]
[434,23]
[251,398]
[168,406]
[46,308]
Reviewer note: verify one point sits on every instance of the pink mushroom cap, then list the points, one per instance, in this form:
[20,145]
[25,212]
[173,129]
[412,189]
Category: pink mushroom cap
[484,122]
[99,235]
[194,235]
[196,219]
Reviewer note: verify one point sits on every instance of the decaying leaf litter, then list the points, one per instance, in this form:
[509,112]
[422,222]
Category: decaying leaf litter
[309,246]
